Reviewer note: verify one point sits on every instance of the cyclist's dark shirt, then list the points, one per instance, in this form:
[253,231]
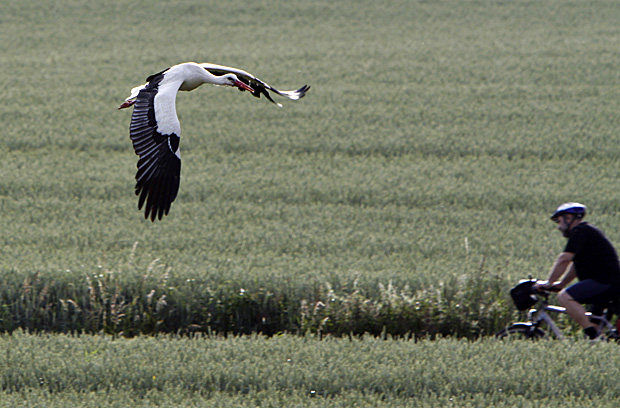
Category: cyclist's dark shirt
[595,257]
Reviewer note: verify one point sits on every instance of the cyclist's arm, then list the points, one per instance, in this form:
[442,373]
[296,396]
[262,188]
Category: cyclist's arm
[568,277]
[561,267]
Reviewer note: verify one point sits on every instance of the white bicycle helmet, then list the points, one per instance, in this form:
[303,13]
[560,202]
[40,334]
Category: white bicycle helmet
[577,209]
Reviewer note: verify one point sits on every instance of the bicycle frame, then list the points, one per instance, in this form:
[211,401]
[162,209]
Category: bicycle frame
[538,315]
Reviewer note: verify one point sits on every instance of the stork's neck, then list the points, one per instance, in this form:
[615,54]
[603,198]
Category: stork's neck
[194,75]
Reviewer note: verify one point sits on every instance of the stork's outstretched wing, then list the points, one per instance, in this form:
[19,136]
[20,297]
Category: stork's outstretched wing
[159,166]
[259,86]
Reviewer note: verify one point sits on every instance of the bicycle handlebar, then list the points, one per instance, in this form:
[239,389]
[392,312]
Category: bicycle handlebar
[546,290]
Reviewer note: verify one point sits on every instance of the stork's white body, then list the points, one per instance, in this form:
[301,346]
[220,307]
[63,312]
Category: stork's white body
[155,129]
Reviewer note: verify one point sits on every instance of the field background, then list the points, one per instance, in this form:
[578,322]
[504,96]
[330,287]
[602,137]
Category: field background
[405,194]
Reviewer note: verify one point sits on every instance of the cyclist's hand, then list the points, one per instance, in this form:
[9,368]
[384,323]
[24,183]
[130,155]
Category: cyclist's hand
[541,285]
[545,286]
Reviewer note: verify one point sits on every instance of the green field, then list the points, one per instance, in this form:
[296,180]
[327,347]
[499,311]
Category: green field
[404,195]
[301,371]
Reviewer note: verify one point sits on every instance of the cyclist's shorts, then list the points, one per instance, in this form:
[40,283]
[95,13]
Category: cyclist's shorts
[592,292]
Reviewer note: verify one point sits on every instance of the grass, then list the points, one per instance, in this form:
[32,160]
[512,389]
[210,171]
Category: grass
[421,167]
[129,297]
[409,143]
[128,302]
[307,371]
[303,371]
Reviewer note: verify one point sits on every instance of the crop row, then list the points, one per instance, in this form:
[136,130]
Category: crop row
[157,301]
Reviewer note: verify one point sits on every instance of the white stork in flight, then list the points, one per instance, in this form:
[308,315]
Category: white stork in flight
[155,129]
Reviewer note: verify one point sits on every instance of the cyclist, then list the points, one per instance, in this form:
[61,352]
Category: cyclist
[589,256]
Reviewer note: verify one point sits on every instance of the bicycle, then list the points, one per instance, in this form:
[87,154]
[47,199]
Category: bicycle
[525,296]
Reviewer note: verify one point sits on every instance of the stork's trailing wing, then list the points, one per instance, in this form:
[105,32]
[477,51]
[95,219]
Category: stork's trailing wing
[259,86]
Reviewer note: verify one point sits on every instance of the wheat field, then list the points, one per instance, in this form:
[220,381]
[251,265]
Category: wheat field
[403,196]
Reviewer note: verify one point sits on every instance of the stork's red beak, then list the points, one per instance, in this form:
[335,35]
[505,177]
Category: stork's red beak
[126,104]
[243,85]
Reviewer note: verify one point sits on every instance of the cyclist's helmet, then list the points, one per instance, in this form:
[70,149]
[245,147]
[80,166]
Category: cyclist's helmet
[578,210]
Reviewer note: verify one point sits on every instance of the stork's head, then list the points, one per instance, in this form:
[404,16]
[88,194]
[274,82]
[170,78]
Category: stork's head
[232,80]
